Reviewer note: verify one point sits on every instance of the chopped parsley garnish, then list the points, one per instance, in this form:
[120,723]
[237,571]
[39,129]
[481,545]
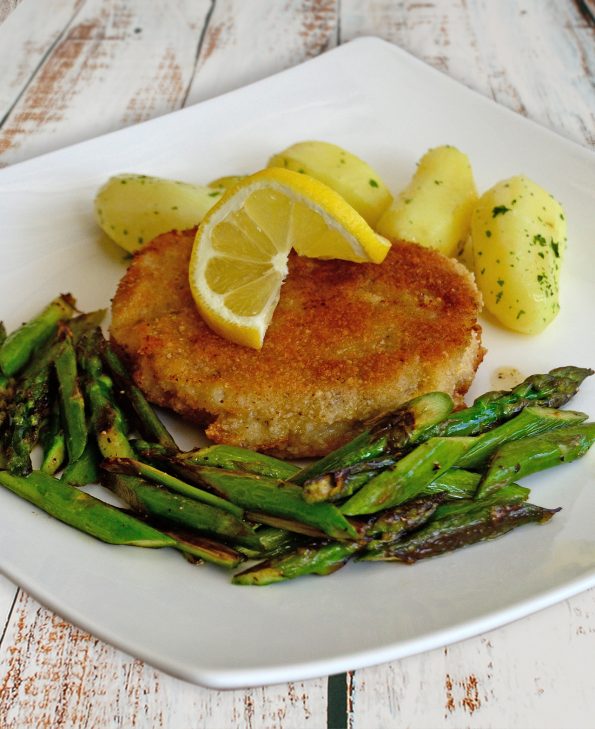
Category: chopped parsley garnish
[373,183]
[499,210]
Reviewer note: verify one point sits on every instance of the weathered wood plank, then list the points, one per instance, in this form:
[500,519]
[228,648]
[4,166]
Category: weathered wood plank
[27,36]
[8,593]
[116,64]
[6,8]
[245,42]
[534,57]
[534,673]
[55,675]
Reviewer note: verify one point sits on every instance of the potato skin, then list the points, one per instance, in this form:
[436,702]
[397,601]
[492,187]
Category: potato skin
[434,210]
[518,231]
[342,171]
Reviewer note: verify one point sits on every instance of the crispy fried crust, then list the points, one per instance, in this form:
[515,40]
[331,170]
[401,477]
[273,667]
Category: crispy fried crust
[347,342]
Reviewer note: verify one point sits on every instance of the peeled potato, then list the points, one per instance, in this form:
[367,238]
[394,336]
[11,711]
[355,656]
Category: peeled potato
[133,209]
[518,231]
[342,171]
[434,210]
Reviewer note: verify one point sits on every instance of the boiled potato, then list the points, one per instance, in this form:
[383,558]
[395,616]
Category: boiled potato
[345,173]
[518,232]
[434,210]
[133,209]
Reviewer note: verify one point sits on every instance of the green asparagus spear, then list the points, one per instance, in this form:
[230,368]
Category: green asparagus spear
[456,483]
[509,494]
[388,434]
[132,467]
[71,399]
[317,559]
[29,411]
[82,511]
[520,458]
[277,498]
[552,390]
[85,323]
[232,458]
[530,421]
[52,441]
[157,502]
[202,548]
[459,530]
[85,469]
[107,420]
[325,557]
[18,347]
[408,477]
[289,525]
[149,424]
[337,485]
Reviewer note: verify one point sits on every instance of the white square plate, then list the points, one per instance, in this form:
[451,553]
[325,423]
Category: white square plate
[388,108]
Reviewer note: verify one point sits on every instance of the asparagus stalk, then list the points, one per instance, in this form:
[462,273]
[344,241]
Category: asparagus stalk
[232,458]
[28,413]
[284,524]
[277,498]
[337,485]
[18,347]
[149,424]
[529,422]
[156,502]
[317,559]
[388,434]
[456,483]
[85,469]
[522,457]
[71,399]
[53,441]
[132,467]
[82,511]
[107,420]
[548,390]
[512,493]
[202,548]
[325,557]
[408,477]
[459,530]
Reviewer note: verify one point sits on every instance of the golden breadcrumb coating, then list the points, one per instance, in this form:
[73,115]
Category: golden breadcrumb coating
[348,341]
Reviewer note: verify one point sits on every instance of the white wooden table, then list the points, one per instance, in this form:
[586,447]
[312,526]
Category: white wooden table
[72,69]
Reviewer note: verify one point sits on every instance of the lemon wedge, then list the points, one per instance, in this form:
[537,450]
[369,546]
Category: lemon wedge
[239,259]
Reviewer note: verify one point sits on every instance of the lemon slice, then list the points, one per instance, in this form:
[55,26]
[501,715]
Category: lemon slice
[239,259]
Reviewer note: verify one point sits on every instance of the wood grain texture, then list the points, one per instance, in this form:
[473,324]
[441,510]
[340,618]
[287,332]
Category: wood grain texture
[89,66]
[499,49]
[245,42]
[535,674]
[53,675]
[115,63]
[28,35]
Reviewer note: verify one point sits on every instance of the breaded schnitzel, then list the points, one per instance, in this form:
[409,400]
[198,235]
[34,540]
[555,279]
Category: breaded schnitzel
[347,342]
